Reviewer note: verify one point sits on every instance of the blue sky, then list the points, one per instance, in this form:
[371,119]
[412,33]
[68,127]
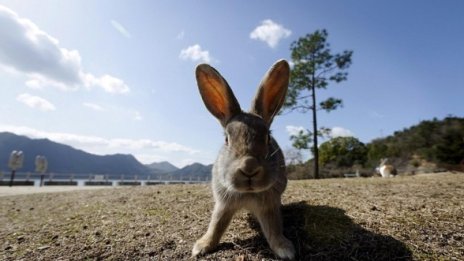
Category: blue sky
[118,76]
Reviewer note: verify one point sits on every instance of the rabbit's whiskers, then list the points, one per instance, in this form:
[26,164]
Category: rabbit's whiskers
[272,154]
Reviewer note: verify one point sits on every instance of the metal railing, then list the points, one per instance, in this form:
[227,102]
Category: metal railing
[91,179]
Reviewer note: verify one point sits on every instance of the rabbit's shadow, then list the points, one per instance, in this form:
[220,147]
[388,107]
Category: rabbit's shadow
[326,233]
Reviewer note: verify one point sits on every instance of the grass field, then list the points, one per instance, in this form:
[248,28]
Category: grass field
[404,218]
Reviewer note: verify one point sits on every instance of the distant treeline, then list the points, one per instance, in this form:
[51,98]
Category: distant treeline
[429,146]
[437,141]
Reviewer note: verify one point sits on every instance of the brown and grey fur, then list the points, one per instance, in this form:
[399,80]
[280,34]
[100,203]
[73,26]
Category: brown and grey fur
[249,172]
[387,170]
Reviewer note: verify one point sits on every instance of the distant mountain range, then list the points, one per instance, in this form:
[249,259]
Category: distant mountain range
[194,171]
[162,167]
[66,159]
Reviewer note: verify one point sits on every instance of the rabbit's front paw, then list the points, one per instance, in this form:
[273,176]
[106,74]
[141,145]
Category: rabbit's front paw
[283,248]
[202,246]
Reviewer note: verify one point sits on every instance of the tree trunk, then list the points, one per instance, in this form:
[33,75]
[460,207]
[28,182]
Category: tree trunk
[315,150]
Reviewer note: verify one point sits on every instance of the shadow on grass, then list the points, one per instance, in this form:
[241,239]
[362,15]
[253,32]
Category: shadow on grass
[327,233]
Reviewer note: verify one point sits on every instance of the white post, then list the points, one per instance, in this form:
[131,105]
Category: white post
[41,165]
[15,162]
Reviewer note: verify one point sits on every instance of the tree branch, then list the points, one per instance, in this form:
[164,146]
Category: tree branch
[326,71]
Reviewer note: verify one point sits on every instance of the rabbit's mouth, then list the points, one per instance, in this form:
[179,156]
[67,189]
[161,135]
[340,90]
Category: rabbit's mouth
[251,184]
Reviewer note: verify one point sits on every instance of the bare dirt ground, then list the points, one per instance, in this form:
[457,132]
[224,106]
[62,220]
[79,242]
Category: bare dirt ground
[404,218]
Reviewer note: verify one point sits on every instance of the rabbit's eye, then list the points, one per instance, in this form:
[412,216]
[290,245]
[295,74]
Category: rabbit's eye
[227,140]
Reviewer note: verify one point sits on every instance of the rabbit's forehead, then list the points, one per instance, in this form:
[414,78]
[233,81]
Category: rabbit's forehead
[248,135]
[247,125]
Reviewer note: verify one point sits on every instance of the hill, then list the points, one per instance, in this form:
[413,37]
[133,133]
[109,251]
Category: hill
[161,167]
[66,159]
[193,171]
[440,142]
[429,146]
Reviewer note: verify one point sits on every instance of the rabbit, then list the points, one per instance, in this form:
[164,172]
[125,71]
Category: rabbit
[386,170]
[249,171]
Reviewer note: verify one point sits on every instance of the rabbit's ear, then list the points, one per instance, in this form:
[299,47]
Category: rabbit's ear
[272,91]
[216,94]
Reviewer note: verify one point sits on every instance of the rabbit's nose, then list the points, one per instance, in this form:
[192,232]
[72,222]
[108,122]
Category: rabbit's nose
[249,167]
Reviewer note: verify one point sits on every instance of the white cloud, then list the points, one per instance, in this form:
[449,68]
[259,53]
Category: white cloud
[270,33]
[121,29]
[34,84]
[340,132]
[93,106]
[295,130]
[35,102]
[195,53]
[186,162]
[26,49]
[109,83]
[37,81]
[334,132]
[96,144]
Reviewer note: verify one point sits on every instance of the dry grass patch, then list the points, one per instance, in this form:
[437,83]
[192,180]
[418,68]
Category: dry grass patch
[404,218]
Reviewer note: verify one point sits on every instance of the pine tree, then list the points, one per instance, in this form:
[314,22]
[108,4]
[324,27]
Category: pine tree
[314,67]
